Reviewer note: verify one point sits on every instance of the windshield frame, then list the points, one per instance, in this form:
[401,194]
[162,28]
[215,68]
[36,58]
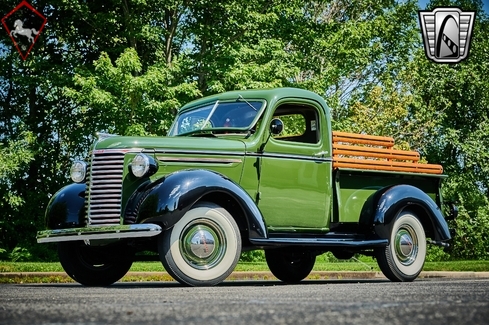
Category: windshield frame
[214,104]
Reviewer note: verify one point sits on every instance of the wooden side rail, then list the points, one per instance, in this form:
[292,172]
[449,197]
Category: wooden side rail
[386,165]
[371,152]
[359,151]
[355,138]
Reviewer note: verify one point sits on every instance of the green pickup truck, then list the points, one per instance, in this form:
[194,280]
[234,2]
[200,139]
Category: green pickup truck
[246,170]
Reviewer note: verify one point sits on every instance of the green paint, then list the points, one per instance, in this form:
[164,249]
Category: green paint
[290,176]
[354,187]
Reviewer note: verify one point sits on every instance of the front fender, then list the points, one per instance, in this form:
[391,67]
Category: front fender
[168,199]
[399,197]
[66,209]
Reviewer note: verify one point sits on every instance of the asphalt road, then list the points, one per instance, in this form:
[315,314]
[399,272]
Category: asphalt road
[449,301]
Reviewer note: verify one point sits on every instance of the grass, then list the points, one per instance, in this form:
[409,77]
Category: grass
[362,265]
[321,265]
[14,272]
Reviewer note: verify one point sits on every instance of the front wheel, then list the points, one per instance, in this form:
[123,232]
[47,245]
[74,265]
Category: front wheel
[93,266]
[203,247]
[290,266]
[403,259]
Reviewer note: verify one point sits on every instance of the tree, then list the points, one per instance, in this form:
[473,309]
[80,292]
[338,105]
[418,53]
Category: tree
[14,155]
[457,95]
[32,100]
[124,99]
[126,66]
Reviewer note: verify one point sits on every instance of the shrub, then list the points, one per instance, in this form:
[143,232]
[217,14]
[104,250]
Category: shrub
[253,256]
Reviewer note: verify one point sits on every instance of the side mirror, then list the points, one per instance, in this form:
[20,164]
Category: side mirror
[276,126]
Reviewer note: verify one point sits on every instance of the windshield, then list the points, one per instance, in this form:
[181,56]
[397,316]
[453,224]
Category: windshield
[236,115]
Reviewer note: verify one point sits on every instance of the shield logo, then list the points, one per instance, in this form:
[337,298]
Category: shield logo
[446,33]
[24,24]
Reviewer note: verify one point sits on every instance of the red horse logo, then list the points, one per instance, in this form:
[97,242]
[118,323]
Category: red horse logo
[24,14]
[20,30]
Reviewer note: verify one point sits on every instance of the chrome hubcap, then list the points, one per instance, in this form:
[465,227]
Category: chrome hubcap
[202,244]
[406,245]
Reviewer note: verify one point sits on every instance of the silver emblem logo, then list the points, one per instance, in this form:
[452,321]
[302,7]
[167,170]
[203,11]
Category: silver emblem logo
[446,33]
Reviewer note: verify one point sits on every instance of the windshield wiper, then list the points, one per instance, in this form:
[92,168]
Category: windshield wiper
[241,97]
[250,133]
[215,131]
[210,114]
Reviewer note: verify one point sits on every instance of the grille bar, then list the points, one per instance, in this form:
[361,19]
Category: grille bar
[105,188]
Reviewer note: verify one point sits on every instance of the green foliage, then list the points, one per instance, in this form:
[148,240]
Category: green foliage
[454,98]
[19,254]
[254,256]
[124,99]
[436,254]
[14,155]
[472,224]
[439,110]
[126,67]
[293,125]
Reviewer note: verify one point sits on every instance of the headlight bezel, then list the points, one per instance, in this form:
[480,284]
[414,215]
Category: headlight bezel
[142,165]
[80,167]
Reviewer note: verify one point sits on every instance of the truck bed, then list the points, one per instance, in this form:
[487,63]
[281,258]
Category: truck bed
[370,152]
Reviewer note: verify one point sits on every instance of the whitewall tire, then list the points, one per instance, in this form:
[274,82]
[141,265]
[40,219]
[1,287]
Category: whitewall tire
[203,247]
[403,259]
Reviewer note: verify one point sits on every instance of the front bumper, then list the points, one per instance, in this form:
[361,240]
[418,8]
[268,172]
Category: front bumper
[99,233]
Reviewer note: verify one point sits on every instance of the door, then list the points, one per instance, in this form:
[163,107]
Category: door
[295,184]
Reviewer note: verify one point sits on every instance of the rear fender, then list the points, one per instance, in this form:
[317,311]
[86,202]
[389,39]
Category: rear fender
[166,201]
[392,200]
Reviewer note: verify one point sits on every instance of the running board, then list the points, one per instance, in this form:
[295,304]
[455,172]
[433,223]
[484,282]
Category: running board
[321,242]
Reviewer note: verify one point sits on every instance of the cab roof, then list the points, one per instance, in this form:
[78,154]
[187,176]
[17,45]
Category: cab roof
[270,95]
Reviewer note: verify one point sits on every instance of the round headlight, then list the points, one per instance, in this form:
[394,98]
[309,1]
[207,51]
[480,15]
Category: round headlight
[78,171]
[140,165]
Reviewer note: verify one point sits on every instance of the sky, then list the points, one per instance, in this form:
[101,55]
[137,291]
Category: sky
[422,5]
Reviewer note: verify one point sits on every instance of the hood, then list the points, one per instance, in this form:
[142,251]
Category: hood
[161,144]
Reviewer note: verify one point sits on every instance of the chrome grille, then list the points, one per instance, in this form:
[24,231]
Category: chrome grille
[105,188]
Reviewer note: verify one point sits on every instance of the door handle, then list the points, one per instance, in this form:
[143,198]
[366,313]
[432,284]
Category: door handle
[321,154]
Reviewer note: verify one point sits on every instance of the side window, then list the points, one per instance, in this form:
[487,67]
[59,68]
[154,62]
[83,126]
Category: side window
[300,123]
[294,125]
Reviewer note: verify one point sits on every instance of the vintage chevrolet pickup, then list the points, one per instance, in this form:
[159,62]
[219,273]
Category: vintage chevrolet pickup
[245,170]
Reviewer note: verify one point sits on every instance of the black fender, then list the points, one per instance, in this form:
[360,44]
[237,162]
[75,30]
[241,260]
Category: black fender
[166,200]
[392,200]
[66,209]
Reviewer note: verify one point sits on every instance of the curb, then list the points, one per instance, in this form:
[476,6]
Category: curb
[456,275]
[62,277]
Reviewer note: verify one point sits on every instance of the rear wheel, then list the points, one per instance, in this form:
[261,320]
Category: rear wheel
[403,259]
[290,266]
[203,247]
[93,266]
